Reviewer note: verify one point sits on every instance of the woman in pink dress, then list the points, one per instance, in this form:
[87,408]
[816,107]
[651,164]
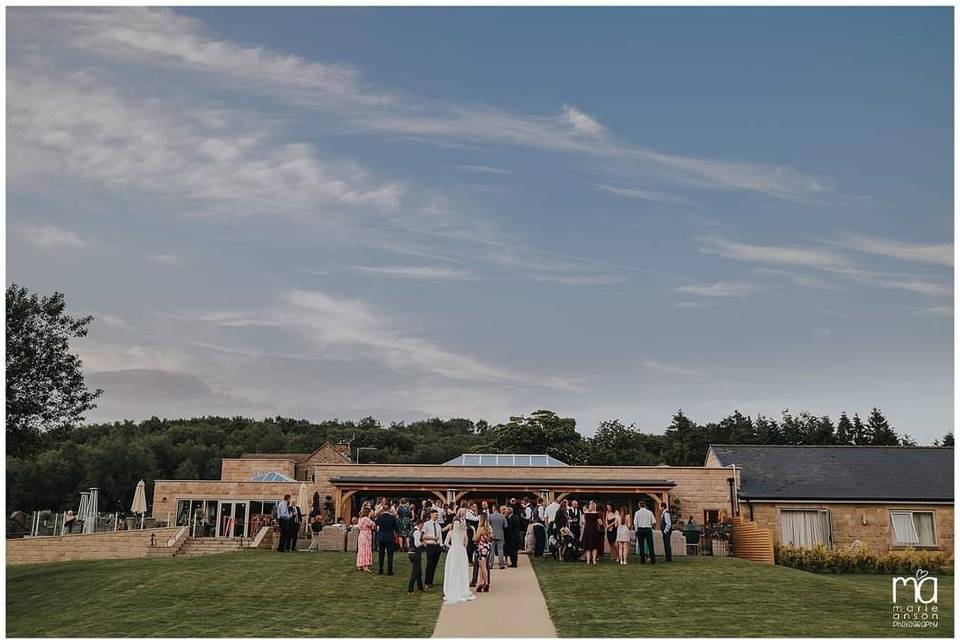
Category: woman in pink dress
[365,541]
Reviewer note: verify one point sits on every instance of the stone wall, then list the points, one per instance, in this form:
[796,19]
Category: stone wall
[167,492]
[847,521]
[94,546]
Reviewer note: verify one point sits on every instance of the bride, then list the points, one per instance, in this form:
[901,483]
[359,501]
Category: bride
[456,572]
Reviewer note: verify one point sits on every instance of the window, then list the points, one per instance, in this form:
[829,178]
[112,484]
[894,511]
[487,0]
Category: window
[913,529]
[805,528]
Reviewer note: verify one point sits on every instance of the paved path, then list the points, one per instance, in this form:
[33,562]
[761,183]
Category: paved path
[514,608]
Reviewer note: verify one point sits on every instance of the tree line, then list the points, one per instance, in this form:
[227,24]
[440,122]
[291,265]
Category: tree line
[114,456]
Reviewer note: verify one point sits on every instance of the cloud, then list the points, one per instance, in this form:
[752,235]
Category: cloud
[168,259]
[417,273]
[162,39]
[598,279]
[642,194]
[480,168]
[723,289]
[50,238]
[351,329]
[691,304]
[935,311]
[111,320]
[780,255]
[808,280]
[824,260]
[582,123]
[937,254]
[670,369]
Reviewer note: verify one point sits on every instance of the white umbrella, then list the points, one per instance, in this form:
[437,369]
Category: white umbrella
[140,501]
[303,498]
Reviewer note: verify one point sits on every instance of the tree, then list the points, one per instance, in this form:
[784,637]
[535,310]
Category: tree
[542,431]
[860,435]
[946,441]
[844,433]
[879,430]
[45,386]
[906,441]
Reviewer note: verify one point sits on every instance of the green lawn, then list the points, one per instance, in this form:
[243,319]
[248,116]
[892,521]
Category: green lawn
[247,593]
[722,597]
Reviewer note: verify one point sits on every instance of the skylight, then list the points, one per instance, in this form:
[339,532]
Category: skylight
[505,460]
[270,476]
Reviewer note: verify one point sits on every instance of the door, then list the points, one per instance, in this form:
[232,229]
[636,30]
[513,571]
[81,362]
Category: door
[233,519]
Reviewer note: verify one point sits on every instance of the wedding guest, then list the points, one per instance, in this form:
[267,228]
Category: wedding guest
[296,520]
[415,552]
[550,515]
[666,526]
[483,522]
[610,526]
[315,528]
[497,522]
[432,536]
[624,525]
[539,533]
[404,522]
[559,524]
[574,515]
[471,519]
[483,555]
[592,527]
[365,541]
[283,522]
[643,522]
[514,536]
[386,539]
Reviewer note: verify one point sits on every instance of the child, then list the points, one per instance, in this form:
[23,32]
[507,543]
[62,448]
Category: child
[414,549]
[483,551]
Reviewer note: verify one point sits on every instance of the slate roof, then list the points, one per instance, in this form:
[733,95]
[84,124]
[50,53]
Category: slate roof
[915,474]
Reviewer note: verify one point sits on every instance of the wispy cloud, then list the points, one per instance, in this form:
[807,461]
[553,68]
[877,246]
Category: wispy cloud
[50,238]
[939,254]
[481,168]
[827,261]
[352,329]
[670,369]
[598,279]
[723,289]
[935,311]
[417,273]
[162,38]
[643,194]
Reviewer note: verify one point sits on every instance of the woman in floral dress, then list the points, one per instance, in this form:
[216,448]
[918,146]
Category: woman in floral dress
[405,522]
[365,541]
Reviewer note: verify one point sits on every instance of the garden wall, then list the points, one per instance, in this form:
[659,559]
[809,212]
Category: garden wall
[94,546]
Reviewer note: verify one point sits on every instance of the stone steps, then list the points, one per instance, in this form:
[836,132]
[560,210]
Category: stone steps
[207,546]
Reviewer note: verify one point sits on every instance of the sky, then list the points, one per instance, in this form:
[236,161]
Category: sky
[407,213]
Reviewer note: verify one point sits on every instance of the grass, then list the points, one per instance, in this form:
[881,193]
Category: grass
[247,593]
[722,597]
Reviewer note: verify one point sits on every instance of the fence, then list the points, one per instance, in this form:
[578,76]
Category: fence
[54,523]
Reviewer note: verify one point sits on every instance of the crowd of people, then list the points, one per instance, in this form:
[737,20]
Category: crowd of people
[490,536]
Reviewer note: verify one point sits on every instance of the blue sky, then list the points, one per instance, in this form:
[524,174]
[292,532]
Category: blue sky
[614,213]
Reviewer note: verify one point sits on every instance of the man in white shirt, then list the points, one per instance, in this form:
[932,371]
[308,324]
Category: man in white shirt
[415,549]
[283,522]
[432,539]
[666,526]
[551,511]
[643,522]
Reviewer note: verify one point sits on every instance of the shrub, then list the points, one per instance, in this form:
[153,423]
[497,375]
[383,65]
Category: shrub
[862,560]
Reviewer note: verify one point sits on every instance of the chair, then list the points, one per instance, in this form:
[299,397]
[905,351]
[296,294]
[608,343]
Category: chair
[692,536]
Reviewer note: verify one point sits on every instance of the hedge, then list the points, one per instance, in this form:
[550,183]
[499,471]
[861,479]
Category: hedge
[862,560]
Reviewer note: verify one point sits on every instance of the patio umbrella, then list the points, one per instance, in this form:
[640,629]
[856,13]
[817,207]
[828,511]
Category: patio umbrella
[315,505]
[303,497]
[140,501]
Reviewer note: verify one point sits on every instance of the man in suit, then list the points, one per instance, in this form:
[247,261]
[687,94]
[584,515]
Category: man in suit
[514,536]
[386,543]
[432,537]
[498,529]
[296,519]
[666,526]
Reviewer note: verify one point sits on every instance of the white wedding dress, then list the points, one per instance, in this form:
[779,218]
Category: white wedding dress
[456,571]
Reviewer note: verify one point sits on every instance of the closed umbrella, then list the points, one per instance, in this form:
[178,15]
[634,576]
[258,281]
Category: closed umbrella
[303,498]
[140,501]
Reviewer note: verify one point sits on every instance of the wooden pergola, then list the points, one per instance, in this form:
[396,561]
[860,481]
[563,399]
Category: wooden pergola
[452,490]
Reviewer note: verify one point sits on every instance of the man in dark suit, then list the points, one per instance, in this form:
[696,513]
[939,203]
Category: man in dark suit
[514,536]
[386,543]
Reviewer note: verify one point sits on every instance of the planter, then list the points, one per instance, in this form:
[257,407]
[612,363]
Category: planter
[720,547]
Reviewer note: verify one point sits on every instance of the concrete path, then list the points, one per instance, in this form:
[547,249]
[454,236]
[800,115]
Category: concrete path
[514,608]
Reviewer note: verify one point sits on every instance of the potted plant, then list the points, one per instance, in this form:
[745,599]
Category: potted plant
[719,534]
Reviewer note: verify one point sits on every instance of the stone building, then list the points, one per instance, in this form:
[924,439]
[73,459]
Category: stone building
[887,498]
[249,486]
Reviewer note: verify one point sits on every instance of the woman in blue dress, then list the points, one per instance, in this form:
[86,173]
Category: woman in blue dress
[405,522]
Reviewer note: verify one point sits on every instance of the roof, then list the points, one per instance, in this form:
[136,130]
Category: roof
[798,472]
[270,476]
[296,457]
[523,482]
[505,460]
